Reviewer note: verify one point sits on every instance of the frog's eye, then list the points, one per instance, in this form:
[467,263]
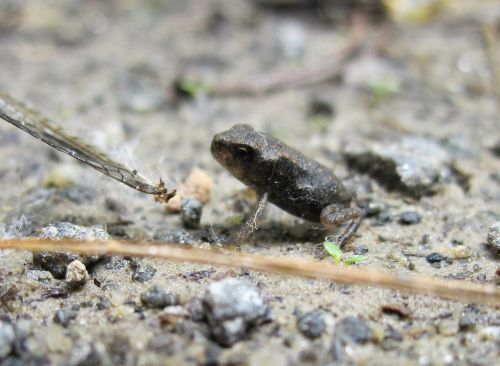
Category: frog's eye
[243,153]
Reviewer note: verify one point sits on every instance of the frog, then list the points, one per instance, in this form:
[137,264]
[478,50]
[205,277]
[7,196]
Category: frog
[285,177]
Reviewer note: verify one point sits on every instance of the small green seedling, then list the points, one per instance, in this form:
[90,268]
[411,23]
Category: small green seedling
[333,250]
[194,87]
[336,254]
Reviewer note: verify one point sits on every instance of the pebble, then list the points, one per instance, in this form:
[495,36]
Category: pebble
[7,337]
[76,274]
[383,218]
[156,297]
[56,262]
[360,250]
[494,237]
[37,275]
[104,303]
[435,257]
[414,165]
[353,329]
[64,316]
[191,210]
[198,185]
[195,309]
[312,324]
[467,322]
[232,308]
[144,275]
[67,230]
[409,218]
[176,236]
[84,353]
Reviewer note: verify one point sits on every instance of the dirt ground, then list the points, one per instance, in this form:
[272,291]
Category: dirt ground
[106,71]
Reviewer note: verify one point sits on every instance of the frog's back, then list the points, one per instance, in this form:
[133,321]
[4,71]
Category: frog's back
[302,186]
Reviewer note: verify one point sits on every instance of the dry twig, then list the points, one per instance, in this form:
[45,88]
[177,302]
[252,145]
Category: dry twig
[288,79]
[490,38]
[451,289]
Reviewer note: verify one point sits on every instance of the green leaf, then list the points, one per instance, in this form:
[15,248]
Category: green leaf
[333,250]
[355,259]
[194,87]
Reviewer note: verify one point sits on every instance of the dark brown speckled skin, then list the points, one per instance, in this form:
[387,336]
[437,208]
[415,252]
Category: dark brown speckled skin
[294,182]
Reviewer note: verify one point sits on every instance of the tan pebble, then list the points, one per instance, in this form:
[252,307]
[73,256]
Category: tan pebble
[197,185]
[76,274]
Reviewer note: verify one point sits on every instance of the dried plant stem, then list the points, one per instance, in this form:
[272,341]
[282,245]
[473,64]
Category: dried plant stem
[288,79]
[451,289]
[490,44]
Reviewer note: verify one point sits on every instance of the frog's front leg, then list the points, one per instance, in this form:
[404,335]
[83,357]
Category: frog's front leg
[336,214]
[251,224]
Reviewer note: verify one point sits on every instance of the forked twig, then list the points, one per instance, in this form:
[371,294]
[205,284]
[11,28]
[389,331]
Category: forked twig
[490,43]
[451,289]
[288,79]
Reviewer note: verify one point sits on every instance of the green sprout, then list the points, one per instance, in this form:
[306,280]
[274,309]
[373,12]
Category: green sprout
[355,259]
[335,252]
[194,87]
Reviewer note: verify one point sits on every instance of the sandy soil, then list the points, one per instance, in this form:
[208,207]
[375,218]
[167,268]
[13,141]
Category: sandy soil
[105,72]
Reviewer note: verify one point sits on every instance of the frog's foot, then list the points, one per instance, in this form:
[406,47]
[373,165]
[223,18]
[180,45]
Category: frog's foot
[336,214]
[252,223]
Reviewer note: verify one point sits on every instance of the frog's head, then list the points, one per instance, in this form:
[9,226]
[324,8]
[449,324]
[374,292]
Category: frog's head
[242,151]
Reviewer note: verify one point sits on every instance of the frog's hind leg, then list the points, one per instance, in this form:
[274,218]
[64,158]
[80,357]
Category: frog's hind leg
[250,225]
[335,214]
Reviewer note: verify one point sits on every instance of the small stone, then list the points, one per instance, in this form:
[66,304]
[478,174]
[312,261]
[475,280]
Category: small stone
[232,308]
[191,210]
[37,275]
[435,257]
[56,262]
[312,324]
[197,185]
[374,208]
[353,329]
[494,237]
[466,323]
[360,250]
[176,236]
[320,107]
[76,274]
[84,353]
[383,218]
[156,297]
[144,275]
[104,303]
[400,310]
[416,166]
[195,309]
[409,218]
[64,316]
[7,337]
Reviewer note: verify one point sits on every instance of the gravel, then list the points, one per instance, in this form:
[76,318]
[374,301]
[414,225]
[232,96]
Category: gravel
[157,297]
[232,308]
[191,210]
[57,262]
[76,274]
[64,316]
[144,274]
[353,329]
[494,237]
[413,165]
[7,336]
[409,218]
[435,257]
[312,324]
